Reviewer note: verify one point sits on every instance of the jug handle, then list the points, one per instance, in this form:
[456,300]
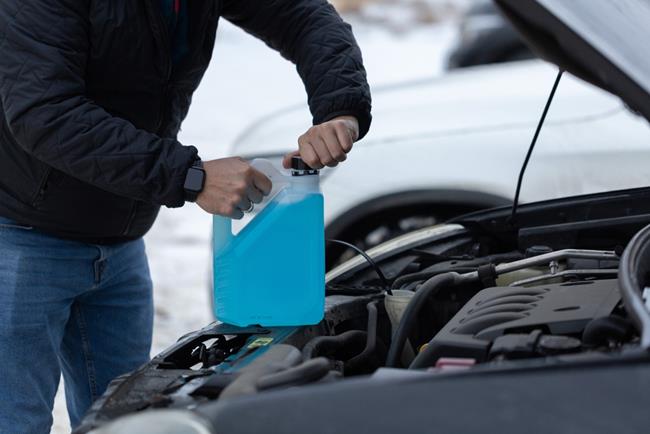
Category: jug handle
[278,179]
[222,227]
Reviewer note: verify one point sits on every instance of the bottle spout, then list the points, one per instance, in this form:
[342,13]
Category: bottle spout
[300,168]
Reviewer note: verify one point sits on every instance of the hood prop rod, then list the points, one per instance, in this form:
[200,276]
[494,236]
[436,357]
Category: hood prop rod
[515,203]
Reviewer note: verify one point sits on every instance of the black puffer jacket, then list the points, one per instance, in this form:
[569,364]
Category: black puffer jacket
[90,105]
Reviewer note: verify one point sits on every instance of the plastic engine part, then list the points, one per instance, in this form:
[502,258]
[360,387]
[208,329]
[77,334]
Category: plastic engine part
[557,309]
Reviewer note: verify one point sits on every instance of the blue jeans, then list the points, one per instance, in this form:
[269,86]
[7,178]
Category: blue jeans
[66,306]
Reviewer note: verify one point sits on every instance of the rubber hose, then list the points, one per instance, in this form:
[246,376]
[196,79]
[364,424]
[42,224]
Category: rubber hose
[601,331]
[369,356]
[343,346]
[424,275]
[428,289]
[307,372]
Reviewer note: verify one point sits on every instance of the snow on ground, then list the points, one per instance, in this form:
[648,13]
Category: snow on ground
[247,80]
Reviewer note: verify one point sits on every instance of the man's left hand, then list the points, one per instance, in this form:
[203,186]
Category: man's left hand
[326,144]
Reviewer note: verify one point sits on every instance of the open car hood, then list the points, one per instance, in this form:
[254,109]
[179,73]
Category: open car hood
[600,41]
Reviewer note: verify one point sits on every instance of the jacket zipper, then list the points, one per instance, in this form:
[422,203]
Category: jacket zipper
[40,192]
[161,35]
[162,38]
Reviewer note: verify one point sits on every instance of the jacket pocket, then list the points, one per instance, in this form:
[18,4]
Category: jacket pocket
[41,188]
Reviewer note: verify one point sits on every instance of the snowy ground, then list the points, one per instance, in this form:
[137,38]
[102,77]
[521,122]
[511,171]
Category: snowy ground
[247,80]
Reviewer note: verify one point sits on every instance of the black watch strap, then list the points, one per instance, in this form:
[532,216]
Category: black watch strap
[194,181]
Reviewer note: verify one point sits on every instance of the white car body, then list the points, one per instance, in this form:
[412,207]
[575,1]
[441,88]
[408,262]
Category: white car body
[462,138]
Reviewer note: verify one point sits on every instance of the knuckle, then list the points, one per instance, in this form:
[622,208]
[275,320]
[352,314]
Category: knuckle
[343,130]
[338,152]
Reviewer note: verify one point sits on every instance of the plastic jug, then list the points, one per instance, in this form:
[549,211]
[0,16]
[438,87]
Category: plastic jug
[272,273]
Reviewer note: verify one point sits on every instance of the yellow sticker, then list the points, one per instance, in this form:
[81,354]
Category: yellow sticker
[260,342]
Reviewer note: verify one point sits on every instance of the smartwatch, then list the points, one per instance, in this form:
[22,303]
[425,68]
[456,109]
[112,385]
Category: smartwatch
[194,181]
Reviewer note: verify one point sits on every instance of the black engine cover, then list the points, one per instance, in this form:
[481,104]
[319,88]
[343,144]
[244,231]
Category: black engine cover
[559,309]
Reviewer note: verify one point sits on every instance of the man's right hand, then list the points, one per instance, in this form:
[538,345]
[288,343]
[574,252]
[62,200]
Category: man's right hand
[231,187]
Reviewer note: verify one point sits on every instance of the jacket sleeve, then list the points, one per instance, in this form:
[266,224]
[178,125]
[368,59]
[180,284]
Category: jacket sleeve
[312,35]
[44,46]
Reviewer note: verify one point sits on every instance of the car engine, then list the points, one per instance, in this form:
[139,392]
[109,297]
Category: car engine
[544,304]
[480,295]
[516,322]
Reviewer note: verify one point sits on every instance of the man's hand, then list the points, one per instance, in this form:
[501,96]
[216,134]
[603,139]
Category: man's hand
[326,144]
[231,187]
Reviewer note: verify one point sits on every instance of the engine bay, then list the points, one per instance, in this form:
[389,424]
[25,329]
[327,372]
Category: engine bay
[545,304]
[480,296]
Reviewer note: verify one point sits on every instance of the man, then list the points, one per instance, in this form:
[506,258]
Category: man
[92,96]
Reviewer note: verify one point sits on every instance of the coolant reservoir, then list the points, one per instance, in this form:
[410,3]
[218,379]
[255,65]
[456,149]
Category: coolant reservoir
[272,272]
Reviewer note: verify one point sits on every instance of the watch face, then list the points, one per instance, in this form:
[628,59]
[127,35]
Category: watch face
[194,180]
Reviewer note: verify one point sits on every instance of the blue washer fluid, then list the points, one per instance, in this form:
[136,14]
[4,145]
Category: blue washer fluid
[272,273]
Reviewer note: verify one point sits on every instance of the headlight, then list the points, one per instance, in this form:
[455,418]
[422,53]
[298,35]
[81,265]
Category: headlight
[157,422]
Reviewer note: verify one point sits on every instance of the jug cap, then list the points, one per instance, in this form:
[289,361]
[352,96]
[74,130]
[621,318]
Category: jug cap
[300,168]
